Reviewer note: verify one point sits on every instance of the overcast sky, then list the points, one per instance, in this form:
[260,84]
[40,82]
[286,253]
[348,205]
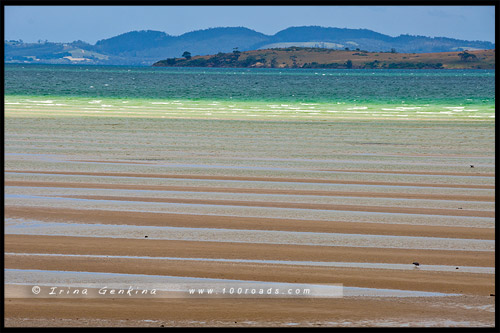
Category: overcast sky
[92,23]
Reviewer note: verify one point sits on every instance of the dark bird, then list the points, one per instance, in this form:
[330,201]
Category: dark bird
[471,166]
[416,263]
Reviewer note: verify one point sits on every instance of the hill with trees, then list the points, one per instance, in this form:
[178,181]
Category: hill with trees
[148,47]
[298,57]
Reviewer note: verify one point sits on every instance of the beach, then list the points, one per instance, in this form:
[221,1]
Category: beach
[397,208]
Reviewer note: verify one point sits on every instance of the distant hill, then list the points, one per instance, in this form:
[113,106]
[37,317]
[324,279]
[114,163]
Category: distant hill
[148,47]
[130,42]
[300,57]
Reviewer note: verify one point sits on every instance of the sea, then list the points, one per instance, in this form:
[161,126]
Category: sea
[240,93]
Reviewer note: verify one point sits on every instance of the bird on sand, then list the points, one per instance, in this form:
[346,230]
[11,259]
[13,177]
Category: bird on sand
[416,264]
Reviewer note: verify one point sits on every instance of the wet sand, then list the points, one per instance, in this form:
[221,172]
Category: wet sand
[257,191]
[263,179]
[195,249]
[358,312]
[413,279]
[247,223]
[250,211]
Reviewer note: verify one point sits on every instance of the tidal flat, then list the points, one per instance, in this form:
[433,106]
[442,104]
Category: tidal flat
[268,191]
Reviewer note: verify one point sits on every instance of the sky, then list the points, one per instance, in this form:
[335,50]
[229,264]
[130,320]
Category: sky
[93,23]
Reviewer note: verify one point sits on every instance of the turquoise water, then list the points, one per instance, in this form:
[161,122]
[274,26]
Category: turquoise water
[196,91]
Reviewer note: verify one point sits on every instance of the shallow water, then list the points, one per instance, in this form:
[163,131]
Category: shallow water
[386,93]
[244,211]
[246,197]
[243,184]
[434,268]
[15,226]
[81,279]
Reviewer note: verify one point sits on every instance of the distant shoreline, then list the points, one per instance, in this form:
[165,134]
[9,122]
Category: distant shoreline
[149,66]
[317,58]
